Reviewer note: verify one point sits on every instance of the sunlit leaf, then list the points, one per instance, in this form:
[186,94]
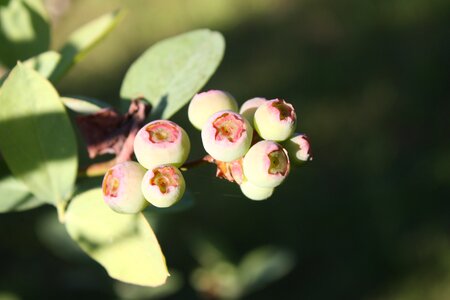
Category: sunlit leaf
[24,30]
[83,40]
[170,72]
[37,140]
[124,245]
[83,106]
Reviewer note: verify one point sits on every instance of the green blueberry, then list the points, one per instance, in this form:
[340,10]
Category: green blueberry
[255,192]
[266,164]
[298,148]
[161,142]
[250,106]
[275,120]
[121,188]
[227,136]
[203,105]
[163,185]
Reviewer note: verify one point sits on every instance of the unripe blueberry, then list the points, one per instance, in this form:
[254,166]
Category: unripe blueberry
[298,148]
[250,106]
[203,105]
[161,142]
[227,136]
[275,120]
[121,188]
[266,164]
[255,192]
[163,185]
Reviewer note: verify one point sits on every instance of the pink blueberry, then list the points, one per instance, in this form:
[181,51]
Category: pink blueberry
[275,120]
[161,142]
[203,105]
[266,164]
[163,186]
[250,106]
[227,136]
[121,188]
[298,148]
[255,192]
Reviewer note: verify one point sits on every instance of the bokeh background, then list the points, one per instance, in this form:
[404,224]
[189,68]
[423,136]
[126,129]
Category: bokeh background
[368,218]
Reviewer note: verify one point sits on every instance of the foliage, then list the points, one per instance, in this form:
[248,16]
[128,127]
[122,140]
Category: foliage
[38,141]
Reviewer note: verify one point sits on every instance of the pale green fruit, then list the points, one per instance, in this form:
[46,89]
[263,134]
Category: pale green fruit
[298,148]
[121,188]
[227,136]
[161,142]
[275,120]
[250,106]
[255,192]
[205,104]
[266,164]
[163,186]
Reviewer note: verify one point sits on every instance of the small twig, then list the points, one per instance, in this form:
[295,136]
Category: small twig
[97,169]
[195,163]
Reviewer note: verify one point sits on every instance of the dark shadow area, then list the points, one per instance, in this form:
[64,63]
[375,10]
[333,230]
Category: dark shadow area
[157,112]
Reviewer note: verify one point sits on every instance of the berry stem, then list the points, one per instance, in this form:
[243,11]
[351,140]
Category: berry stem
[195,163]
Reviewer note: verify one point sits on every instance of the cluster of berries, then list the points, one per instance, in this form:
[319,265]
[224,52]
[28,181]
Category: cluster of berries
[160,147]
[254,160]
[247,144]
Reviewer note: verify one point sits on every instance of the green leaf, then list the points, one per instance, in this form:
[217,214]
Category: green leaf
[83,40]
[44,63]
[84,105]
[37,140]
[14,196]
[170,72]
[24,30]
[124,245]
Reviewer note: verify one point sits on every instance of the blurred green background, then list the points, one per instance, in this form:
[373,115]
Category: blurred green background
[368,218]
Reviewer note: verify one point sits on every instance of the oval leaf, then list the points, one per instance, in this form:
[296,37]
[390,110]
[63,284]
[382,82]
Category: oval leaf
[84,106]
[124,245]
[170,72]
[36,138]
